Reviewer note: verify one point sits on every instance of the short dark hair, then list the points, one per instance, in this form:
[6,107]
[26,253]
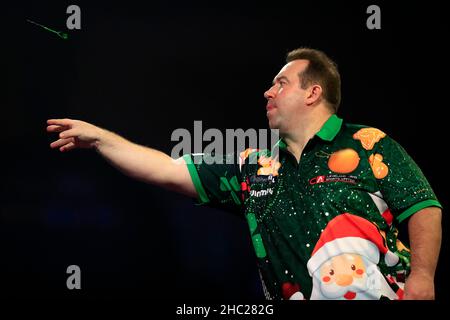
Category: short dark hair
[320,70]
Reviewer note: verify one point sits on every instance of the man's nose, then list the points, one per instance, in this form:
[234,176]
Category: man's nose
[270,94]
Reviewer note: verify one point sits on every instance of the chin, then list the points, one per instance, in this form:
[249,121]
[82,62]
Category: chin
[276,126]
[273,124]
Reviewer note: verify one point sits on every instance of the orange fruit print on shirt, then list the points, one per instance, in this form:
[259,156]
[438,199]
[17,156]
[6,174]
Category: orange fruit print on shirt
[343,161]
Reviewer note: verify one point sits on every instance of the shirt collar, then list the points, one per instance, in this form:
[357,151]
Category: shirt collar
[328,131]
[330,128]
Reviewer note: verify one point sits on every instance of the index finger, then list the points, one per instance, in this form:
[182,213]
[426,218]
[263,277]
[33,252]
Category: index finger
[61,122]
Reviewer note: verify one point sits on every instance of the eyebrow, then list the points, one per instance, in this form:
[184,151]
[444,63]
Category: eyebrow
[280,78]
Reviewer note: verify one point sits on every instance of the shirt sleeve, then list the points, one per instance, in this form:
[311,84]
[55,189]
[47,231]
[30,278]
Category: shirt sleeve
[401,182]
[218,183]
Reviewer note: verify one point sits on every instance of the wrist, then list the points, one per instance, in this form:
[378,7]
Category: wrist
[101,137]
[420,273]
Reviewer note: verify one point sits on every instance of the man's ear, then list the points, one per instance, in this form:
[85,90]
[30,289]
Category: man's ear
[314,94]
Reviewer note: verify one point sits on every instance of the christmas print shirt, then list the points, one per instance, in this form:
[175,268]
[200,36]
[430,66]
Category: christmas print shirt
[324,227]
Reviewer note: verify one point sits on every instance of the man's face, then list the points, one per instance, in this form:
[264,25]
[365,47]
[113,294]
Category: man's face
[285,99]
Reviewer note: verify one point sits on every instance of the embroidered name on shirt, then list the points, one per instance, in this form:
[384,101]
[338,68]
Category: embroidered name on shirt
[333,178]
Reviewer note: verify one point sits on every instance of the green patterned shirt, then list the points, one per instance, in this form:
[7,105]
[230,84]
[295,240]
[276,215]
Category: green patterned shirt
[324,227]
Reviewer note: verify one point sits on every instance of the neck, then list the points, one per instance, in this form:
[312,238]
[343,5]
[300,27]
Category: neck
[307,127]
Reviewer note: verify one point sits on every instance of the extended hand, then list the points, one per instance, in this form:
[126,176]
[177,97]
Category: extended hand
[73,134]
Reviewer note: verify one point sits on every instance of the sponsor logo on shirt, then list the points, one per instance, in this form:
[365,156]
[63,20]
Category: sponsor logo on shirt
[262,179]
[254,180]
[261,193]
[334,178]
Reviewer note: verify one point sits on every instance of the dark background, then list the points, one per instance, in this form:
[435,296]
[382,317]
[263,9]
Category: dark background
[145,70]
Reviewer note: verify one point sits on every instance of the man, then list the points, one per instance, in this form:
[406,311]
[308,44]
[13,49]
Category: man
[323,213]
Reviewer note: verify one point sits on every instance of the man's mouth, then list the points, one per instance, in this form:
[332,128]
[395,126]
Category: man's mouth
[350,295]
[270,106]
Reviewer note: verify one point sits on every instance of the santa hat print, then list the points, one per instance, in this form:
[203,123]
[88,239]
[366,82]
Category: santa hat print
[348,233]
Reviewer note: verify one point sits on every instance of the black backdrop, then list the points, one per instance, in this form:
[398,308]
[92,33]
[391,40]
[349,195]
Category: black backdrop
[145,70]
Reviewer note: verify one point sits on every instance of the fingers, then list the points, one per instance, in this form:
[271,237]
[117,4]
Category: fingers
[59,125]
[67,147]
[69,134]
[57,128]
[61,122]
[61,142]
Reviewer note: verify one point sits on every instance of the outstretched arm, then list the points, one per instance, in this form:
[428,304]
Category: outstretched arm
[136,161]
[425,239]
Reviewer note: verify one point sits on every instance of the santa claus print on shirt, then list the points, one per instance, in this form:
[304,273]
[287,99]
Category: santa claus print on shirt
[344,261]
